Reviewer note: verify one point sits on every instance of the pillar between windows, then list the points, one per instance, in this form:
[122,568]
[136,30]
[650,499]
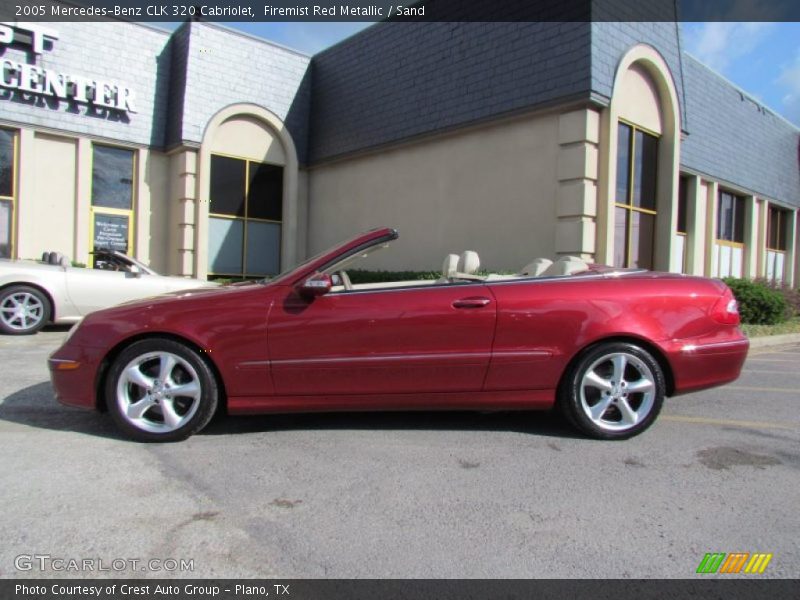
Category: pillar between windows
[750,237]
[696,225]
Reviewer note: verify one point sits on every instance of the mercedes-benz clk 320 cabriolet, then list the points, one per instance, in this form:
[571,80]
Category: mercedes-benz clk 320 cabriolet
[603,345]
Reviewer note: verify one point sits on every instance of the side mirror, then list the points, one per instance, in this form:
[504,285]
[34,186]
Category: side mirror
[316,285]
[134,271]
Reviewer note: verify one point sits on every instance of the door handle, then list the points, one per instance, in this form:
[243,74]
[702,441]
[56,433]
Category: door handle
[471,302]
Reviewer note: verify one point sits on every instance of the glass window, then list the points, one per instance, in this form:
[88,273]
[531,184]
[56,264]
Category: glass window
[8,170]
[265,193]
[263,247]
[5,229]
[621,237]
[246,206]
[683,203]
[225,238]
[6,163]
[645,165]
[637,166]
[776,228]
[227,186]
[730,218]
[642,234]
[623,163]
[112,177]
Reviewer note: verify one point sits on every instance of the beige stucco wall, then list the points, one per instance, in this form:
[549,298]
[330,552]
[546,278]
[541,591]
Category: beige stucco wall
[155,174]
[639,100]
[491,189]
[54,199]
[46,206]
[247,137]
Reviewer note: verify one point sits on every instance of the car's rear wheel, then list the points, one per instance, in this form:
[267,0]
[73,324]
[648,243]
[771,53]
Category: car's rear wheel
[23,310]
[613,391]
[159,390]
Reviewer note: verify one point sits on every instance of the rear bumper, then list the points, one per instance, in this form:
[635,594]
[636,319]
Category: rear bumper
[704,363]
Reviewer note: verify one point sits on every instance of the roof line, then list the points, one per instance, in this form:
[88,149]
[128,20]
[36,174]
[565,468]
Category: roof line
[250,36]
[744,92]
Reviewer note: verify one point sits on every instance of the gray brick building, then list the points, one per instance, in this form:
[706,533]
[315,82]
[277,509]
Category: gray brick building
[209,152]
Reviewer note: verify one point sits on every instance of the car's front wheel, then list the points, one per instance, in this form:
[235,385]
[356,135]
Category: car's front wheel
[613,391]
[23,310]
[159,390]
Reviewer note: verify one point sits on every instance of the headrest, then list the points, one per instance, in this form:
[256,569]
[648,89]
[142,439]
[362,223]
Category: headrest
[469,263]
[450,266]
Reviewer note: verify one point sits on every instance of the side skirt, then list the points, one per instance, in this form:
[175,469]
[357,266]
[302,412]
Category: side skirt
[501,400]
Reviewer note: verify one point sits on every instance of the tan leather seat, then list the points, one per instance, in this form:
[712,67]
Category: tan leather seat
[536,267]
[449,268]
[469,263]
[566,265]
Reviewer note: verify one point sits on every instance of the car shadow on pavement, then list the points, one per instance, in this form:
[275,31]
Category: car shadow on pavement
[539,423]
[35,406]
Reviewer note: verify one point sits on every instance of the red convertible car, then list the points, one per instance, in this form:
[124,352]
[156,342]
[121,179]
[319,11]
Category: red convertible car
[603,345]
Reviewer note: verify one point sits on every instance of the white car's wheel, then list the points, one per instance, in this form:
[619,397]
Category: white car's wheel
[159,390]
[23,310]
[613,391]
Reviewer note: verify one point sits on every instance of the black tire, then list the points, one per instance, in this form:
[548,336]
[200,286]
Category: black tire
[603,406]
[142,374]
[36,313]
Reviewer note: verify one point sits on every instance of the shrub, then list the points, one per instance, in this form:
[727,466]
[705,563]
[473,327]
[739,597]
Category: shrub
[790,295]
[363,276]
[758,303]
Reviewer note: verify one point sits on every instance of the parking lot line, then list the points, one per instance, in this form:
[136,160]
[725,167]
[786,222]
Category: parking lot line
[775,360]
[746,388]
[729,422]
[766,372]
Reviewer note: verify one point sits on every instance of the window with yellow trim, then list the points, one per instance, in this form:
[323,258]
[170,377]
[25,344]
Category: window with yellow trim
[245,217]
[730,218]
[635,202]
[777,227]
[113,191]
[8,190]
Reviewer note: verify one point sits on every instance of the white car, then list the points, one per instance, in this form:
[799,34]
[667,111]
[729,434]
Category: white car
[34,293]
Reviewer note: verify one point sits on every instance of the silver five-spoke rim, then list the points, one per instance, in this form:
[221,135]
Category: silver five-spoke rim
[618,391]
[21,311]
[158,392]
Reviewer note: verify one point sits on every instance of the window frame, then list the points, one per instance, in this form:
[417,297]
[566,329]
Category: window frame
[781,230]
[12,199]
[130,213]
[737,199]
[630,208]
[245,219]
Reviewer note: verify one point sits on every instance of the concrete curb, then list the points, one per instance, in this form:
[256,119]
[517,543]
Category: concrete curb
[767,341]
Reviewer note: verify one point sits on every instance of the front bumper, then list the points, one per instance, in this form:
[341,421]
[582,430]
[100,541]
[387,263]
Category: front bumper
[74,375]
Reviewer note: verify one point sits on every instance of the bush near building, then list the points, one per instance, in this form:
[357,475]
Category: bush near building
[759,303]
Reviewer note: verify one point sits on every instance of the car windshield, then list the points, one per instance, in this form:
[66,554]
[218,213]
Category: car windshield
[338,248]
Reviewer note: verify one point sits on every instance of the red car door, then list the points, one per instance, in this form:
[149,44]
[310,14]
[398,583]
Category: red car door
[434,338]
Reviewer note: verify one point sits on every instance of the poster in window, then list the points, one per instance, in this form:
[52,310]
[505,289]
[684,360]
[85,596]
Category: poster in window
[111,232]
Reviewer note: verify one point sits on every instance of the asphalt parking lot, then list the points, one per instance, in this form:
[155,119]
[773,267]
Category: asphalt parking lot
[447,495]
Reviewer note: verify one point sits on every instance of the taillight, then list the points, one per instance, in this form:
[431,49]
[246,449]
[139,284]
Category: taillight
[726,309]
